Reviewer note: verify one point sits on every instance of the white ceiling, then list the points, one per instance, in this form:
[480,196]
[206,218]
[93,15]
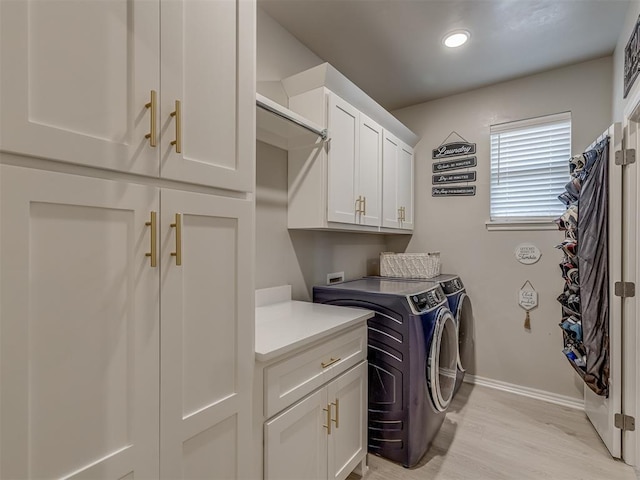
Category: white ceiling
[393,50]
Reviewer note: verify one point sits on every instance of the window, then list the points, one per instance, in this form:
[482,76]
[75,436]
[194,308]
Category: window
[529,168]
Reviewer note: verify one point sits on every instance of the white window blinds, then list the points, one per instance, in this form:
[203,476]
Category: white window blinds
[529,168]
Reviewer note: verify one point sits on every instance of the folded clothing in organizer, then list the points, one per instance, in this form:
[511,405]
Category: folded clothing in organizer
[573,327]
[572,192]
[569,246]
[569,219]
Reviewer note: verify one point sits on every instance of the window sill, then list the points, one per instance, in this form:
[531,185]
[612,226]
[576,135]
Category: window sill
[521,225]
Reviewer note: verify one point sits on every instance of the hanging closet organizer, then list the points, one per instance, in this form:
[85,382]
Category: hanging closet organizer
[584,267]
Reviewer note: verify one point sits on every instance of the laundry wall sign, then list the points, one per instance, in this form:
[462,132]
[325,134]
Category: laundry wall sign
[632,59]
[454,177]
[453,191]
[454,164]
[527,253]
[453,149]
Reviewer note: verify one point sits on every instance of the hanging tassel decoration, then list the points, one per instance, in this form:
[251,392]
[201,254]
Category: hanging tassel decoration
[527,299]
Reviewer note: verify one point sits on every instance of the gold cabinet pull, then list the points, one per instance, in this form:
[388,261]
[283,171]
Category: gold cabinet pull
[151,106]
[404,214]
[358,200]
[400,214]
[330,362]
[177,113]
[364,205]
[337,420]
[178,226]
[154,239]
[328,425]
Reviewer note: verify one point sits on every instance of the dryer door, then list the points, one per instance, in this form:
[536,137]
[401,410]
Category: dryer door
[464,321]
[442,361]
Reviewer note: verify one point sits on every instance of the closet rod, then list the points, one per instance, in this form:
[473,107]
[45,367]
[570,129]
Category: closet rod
[282,114]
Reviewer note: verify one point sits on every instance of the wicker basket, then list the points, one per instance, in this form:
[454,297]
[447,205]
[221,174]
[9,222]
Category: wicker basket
[410,265]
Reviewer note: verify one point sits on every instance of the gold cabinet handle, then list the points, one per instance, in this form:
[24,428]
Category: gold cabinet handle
[154,239]
[358,200]
[177,113]
[328,425]
[330,362]
[404,214]
[337,420]
[400,214]
[364,205]
[151,106]
[178,226]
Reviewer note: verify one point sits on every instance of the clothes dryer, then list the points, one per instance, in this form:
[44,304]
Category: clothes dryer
[412,354]
[460,306]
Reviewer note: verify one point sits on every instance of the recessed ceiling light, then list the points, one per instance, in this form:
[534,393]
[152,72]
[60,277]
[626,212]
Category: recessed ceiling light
[456,38]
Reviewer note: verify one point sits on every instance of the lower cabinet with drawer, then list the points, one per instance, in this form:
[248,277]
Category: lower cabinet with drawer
[314,421]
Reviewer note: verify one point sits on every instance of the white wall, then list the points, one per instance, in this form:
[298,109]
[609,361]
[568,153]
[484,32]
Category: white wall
[299,258]
[619,103]
[484,259]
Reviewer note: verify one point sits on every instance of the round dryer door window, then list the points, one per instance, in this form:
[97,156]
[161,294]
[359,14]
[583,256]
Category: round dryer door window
[443,360]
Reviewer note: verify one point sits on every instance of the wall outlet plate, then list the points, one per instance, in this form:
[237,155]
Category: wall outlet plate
[335,277]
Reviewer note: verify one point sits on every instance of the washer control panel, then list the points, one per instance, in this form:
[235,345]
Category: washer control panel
[428,300]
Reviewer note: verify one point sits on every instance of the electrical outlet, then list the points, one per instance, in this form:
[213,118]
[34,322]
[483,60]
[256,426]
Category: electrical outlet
[335,277]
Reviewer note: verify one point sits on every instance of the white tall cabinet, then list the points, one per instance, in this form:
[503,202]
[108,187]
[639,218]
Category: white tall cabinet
[79,78]
[126,238]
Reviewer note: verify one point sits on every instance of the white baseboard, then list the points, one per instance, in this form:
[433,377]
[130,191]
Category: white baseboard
[543,395]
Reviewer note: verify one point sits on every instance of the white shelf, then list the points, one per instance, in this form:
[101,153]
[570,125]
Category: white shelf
[283,128]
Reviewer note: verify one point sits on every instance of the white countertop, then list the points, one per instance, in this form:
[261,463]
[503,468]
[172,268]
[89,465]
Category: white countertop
[286,325]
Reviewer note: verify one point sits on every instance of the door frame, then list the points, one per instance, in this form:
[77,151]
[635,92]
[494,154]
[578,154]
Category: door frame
[631,273]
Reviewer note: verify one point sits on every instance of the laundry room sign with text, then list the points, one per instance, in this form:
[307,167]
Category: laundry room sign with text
[442,168]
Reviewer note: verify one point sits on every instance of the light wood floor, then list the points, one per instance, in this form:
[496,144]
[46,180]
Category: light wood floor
[494,435]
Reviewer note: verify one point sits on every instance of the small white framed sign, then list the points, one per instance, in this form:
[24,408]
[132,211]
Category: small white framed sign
[527,253]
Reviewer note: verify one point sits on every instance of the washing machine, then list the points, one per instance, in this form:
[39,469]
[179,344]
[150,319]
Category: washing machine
[460,306]
[412,354]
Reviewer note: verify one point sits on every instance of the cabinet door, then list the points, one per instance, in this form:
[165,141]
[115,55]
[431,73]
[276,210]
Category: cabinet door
[79,321]
[296,441]
[206,336]
[76,76]
[390,158]
[348,440]
[342,156]
[369,169]
[405,185]
[208,56]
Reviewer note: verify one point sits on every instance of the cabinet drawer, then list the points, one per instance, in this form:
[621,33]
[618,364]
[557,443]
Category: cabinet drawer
[291,379]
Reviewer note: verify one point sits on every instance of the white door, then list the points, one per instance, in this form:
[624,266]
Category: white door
[342,157]
[76,77]
[369,167]
[79,321]
[405,185]
[601,410]
[347,396]
[295,445]
[206,336]
[208,55]
[390,158]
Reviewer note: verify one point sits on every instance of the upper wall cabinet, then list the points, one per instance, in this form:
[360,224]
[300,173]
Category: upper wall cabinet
[397,185]
[96,87]
[340,184]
